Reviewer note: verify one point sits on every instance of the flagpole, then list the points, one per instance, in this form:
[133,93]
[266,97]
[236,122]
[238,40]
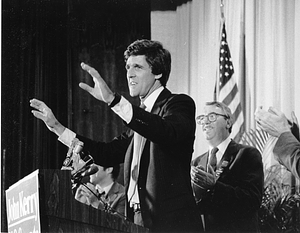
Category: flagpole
[222,9]
[216,97]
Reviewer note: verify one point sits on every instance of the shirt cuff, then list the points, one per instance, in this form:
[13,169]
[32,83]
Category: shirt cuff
[124,110]
[67,137]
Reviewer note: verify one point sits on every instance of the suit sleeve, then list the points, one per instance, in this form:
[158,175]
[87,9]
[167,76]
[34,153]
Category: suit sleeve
[173,124]
[107,154]
[287,150]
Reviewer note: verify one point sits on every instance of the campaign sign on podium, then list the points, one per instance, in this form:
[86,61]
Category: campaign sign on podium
[22,201]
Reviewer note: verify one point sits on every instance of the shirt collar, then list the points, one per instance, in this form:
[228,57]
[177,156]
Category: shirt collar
[105,189]
[222,148]
[150,100]
[223,145]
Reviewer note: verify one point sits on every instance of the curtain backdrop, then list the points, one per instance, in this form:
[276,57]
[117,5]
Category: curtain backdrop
[43,44]
[263,38]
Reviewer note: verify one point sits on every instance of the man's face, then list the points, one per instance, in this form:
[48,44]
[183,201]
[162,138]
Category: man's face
[215,132]
[100,175]
[139,76]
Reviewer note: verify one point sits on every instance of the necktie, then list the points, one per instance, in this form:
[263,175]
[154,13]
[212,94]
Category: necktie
[213,158]
[138,145]
[100,190]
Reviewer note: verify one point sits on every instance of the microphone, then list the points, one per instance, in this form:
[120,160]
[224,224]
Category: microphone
[92,170]
[85,171]
[77,159]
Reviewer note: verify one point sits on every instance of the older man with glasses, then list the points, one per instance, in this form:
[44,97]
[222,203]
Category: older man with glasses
[228,179]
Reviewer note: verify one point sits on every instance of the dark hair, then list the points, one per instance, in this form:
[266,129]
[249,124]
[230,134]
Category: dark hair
[226,110]
[158,58]
[115,172]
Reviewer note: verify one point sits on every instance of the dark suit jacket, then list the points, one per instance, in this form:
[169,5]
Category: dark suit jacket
[116,199]
[233,204]
[165,192]
[287,150]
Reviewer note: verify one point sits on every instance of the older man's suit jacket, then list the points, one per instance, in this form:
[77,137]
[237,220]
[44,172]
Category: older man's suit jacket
[165,192]
[233,204]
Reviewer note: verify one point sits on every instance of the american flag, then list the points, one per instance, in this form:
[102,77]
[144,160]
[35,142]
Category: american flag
[228,90]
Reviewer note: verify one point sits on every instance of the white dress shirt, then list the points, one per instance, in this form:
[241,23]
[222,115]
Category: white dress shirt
[222,148]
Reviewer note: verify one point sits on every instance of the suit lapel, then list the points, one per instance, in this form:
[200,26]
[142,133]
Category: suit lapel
[156,109]
[201,160]
[127,163]
[204,160]
[229,158]
[229,152]
[112,193]
[161,100]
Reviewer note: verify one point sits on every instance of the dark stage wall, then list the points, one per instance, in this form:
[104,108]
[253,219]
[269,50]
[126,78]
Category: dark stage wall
[43,44]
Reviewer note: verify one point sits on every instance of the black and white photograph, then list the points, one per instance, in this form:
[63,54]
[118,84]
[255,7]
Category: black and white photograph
[143,116]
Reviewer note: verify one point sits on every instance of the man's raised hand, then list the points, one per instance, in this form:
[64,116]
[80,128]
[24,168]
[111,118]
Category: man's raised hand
[44,113]
[100,90]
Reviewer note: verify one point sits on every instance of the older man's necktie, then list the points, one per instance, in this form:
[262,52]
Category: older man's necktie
[213,158]
[138,145]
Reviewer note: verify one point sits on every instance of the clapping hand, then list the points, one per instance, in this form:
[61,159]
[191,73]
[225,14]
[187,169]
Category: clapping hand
[100,90]
[202,178]
[202,181]
[272,121]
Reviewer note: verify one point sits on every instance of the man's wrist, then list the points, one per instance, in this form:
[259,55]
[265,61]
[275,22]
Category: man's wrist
[115,101]
[58,128]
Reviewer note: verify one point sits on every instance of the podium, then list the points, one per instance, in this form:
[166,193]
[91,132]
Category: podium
[56,208]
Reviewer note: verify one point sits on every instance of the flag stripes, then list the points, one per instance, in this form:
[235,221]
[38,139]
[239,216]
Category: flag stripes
[238,128]
[228,89]
[230,96]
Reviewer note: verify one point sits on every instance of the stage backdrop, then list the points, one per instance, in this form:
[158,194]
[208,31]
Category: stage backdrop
[264,41]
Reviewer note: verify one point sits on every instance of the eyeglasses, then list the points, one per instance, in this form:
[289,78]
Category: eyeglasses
[211,117]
